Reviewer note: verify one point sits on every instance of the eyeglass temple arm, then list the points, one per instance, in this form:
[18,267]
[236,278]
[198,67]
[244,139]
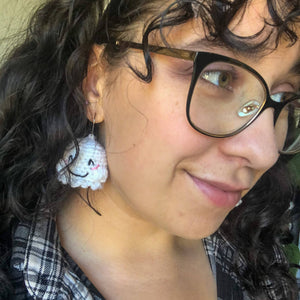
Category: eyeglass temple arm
[173,52]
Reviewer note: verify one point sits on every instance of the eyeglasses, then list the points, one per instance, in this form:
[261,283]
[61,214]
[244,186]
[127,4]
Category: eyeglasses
[225,96]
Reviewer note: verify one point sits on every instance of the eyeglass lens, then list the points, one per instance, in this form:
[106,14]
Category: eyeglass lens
[226,97]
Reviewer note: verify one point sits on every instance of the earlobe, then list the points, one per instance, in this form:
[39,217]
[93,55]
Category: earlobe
[92,85]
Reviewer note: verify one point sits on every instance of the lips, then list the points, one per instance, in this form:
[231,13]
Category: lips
[219,194]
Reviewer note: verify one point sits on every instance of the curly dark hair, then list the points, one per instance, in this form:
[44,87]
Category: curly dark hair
[42,110]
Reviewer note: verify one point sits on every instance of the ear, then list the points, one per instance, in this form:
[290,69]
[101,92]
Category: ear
[93,83]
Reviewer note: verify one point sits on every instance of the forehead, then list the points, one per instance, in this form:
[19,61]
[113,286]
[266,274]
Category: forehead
[250,30]
[191,36]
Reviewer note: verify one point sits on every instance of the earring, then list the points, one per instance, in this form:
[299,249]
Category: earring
[89,169]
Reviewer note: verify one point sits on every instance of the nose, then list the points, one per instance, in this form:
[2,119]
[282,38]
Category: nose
[256,145]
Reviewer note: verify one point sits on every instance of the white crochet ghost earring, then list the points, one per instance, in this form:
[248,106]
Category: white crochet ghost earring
[89,169]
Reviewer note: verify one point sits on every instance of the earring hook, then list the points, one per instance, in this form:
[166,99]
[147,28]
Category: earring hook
[93,126]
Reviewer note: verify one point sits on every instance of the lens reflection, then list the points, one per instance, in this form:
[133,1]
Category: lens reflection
[227,97]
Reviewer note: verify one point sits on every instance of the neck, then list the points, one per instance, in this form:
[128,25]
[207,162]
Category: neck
[123,252]
[118,232]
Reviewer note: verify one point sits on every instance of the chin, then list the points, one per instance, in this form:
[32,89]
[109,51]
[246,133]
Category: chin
[198,232]
[200,236]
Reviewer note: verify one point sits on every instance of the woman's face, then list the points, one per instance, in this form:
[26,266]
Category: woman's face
[161,170]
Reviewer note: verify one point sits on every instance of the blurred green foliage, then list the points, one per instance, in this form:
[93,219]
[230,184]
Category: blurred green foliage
[293,254]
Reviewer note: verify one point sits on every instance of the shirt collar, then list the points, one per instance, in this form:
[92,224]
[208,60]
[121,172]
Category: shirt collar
[38,253]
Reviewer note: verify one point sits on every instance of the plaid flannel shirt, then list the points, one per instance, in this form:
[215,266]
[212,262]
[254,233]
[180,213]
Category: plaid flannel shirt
[41,269]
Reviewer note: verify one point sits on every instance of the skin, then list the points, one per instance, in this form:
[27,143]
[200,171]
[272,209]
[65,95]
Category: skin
[154,215]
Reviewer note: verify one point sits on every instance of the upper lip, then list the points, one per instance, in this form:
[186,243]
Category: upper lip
[224,186]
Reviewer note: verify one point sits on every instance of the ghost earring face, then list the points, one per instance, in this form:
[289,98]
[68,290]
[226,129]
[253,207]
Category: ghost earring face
[88,169]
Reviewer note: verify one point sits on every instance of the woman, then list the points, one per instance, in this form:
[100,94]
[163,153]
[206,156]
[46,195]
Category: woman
[191,103]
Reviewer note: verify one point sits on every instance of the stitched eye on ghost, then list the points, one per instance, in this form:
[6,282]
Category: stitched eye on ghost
[89,169]
[69,163]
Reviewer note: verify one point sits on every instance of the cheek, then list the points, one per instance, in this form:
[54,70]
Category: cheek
[124,121]
[146,124]
[134,109]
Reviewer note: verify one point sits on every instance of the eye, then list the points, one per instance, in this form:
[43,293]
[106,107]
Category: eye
[222,79]
[70,159]
[282,96]
[91,162]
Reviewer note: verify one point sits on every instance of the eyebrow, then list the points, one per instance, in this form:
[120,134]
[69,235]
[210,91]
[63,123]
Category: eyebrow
[254,54]
[203,44]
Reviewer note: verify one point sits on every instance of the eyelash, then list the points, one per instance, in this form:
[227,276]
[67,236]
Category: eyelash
[233,74]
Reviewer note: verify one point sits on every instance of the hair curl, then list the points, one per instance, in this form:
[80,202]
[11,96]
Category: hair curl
[42,110]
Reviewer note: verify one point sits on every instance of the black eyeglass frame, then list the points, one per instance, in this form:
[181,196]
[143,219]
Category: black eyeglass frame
[200,60]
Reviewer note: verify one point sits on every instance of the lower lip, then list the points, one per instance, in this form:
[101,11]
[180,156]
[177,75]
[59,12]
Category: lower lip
[217,196]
